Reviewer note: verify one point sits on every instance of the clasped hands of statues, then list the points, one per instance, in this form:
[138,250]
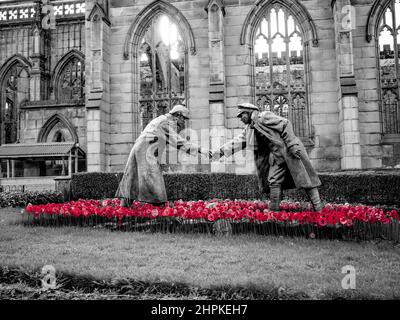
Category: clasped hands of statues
[294,150]
[212,155]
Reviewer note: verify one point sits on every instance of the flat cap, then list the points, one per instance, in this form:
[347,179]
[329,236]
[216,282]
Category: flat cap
[246,107]
[180,109]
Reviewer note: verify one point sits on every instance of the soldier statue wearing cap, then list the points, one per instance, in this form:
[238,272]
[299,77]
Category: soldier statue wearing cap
[281,159]
[143,180]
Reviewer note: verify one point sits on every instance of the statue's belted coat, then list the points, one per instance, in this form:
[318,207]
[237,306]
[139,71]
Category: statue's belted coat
[277,137]
[143,179]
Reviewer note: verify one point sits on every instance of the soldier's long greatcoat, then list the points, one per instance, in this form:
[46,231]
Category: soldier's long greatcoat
[277,137]
[143,179]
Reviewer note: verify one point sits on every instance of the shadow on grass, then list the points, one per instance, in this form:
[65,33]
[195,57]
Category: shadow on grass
[17,283]
[132,289]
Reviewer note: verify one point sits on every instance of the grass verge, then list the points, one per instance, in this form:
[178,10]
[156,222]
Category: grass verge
[187,263]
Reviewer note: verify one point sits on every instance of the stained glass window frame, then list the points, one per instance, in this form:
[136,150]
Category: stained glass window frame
[390,114]
[9,96]
[305,133]
[74,60]
[150,107]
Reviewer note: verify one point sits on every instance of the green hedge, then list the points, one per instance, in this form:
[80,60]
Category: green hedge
[94,185]
[368,187]
[179,186]
[21,199]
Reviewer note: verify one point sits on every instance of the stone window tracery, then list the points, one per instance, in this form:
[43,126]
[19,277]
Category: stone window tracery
[71,81]
[389,54]
[162,69]
[15,92]
[280,68]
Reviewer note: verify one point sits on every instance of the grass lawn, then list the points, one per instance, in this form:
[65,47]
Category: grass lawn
[251,261]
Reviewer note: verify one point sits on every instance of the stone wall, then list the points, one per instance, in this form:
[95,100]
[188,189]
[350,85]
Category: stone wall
[22,38]
[108,124]
[124,127]
[32,121]
[15,40]
[325,145]
[366,72]
[325,154]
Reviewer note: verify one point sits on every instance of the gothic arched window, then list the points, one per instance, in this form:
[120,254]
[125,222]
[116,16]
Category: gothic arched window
[58,137]
[15,91]
[389,54]
[162,69]
[10,122]
[71,80]
[280,68]
[58,129]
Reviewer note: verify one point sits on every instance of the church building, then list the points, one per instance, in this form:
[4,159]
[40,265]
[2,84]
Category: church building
[80,79]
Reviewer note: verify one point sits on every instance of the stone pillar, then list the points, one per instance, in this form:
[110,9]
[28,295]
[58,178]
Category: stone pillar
[348,95]
[8,168]
[38,77]
[70,164]
[98,83]
[216,13]
[12,168]
[63,185]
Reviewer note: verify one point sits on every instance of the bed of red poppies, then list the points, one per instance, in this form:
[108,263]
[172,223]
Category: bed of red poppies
[249,211]
[255,215]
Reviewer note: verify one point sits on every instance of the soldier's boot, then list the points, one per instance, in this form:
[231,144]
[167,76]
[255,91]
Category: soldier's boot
[313,195]
[158,204]
[275,197]
[154,204]
[124,203]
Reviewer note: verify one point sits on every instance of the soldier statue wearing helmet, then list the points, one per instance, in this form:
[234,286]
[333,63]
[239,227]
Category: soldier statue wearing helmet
[143,180]
[281,159]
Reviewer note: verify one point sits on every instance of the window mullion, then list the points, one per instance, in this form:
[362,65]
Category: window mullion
[74,77]
[71,71]
[396,61]
[71,78]
[271,69]
[395,48]
[81,79]
[169,74]
[287,41]
[154,67]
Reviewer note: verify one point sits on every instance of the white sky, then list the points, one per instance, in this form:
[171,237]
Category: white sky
[278,45]
[169,35]
[385,36]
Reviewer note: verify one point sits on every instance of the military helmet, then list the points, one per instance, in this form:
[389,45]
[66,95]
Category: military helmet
[246,107]
[180,109]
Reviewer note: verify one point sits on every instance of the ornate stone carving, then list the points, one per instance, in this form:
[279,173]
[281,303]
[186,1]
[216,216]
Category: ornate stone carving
[162,69]
[280,68]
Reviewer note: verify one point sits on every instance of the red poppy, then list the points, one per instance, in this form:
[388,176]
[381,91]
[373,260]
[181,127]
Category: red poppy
[332,220]
[154,213]
[284,216]
[212,211]
[394,214]
[322,221]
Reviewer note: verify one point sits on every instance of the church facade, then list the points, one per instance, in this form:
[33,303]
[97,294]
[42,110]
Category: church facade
[89,75]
